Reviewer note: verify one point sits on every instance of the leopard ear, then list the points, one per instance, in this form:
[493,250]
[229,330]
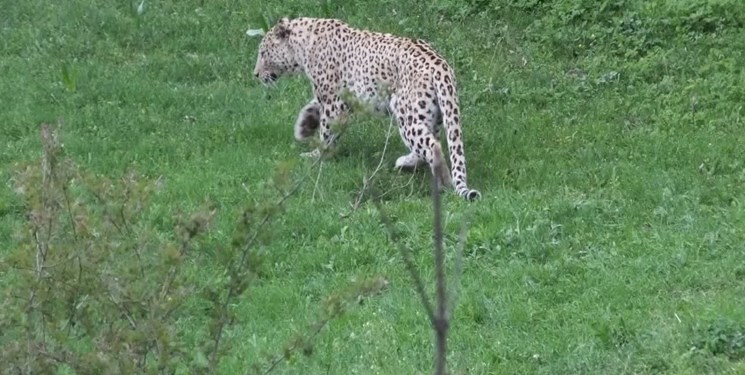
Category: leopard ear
[283,28]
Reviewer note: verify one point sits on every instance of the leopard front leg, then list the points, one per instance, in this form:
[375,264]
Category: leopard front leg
[332,110]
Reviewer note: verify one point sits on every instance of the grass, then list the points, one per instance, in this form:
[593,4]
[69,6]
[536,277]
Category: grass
[609,239]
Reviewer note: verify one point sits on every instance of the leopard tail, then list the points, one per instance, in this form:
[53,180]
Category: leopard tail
[447,98]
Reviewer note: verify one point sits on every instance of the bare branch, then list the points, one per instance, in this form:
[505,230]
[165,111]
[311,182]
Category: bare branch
[441,321]
[124,310]
[246,250]
[366,181]
[385,147]
[318,179]
[318,327]
[408,262]
[337,306]
[458,272]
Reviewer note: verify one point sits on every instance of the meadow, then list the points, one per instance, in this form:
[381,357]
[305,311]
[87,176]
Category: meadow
[607,140]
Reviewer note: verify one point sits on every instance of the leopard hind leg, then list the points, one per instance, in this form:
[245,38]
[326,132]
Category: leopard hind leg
[416,130]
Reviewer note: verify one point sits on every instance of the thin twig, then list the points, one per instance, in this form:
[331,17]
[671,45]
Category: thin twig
[124,310]
[315,187]
[69,213]
[125,224]
[245,251]
[316,331]
[168,281]
[408,263]
[338,305]
[110,215]
[53,357]
[367,180]
[385,147]
[73,302]
[441,321]
[140,263]
[50,145]
[409,183]
[458,272]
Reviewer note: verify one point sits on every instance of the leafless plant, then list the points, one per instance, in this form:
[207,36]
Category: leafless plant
[439,316]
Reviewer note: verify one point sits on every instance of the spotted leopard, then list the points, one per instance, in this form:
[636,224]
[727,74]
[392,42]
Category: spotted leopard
[403,77]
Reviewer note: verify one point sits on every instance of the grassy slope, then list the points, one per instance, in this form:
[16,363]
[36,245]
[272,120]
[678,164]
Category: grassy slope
[609,237]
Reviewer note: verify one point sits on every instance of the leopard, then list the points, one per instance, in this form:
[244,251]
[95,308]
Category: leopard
[401,77]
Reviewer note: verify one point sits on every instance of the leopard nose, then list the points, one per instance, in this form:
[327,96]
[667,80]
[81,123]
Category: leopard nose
[256,74]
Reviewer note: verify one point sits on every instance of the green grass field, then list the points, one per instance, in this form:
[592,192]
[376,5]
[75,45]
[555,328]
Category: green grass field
[608,143]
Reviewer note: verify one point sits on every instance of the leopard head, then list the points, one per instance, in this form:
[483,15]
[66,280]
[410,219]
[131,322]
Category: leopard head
[276,55]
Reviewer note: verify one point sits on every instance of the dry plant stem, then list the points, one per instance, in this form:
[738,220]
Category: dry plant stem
[441,321]
[232,286]
[49,146]
[166,288]
[366,180]
[458,272]
[316,331]
[331,312]
[315,187]
[73,309]
[438,319]
[408,263]
[382,156]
